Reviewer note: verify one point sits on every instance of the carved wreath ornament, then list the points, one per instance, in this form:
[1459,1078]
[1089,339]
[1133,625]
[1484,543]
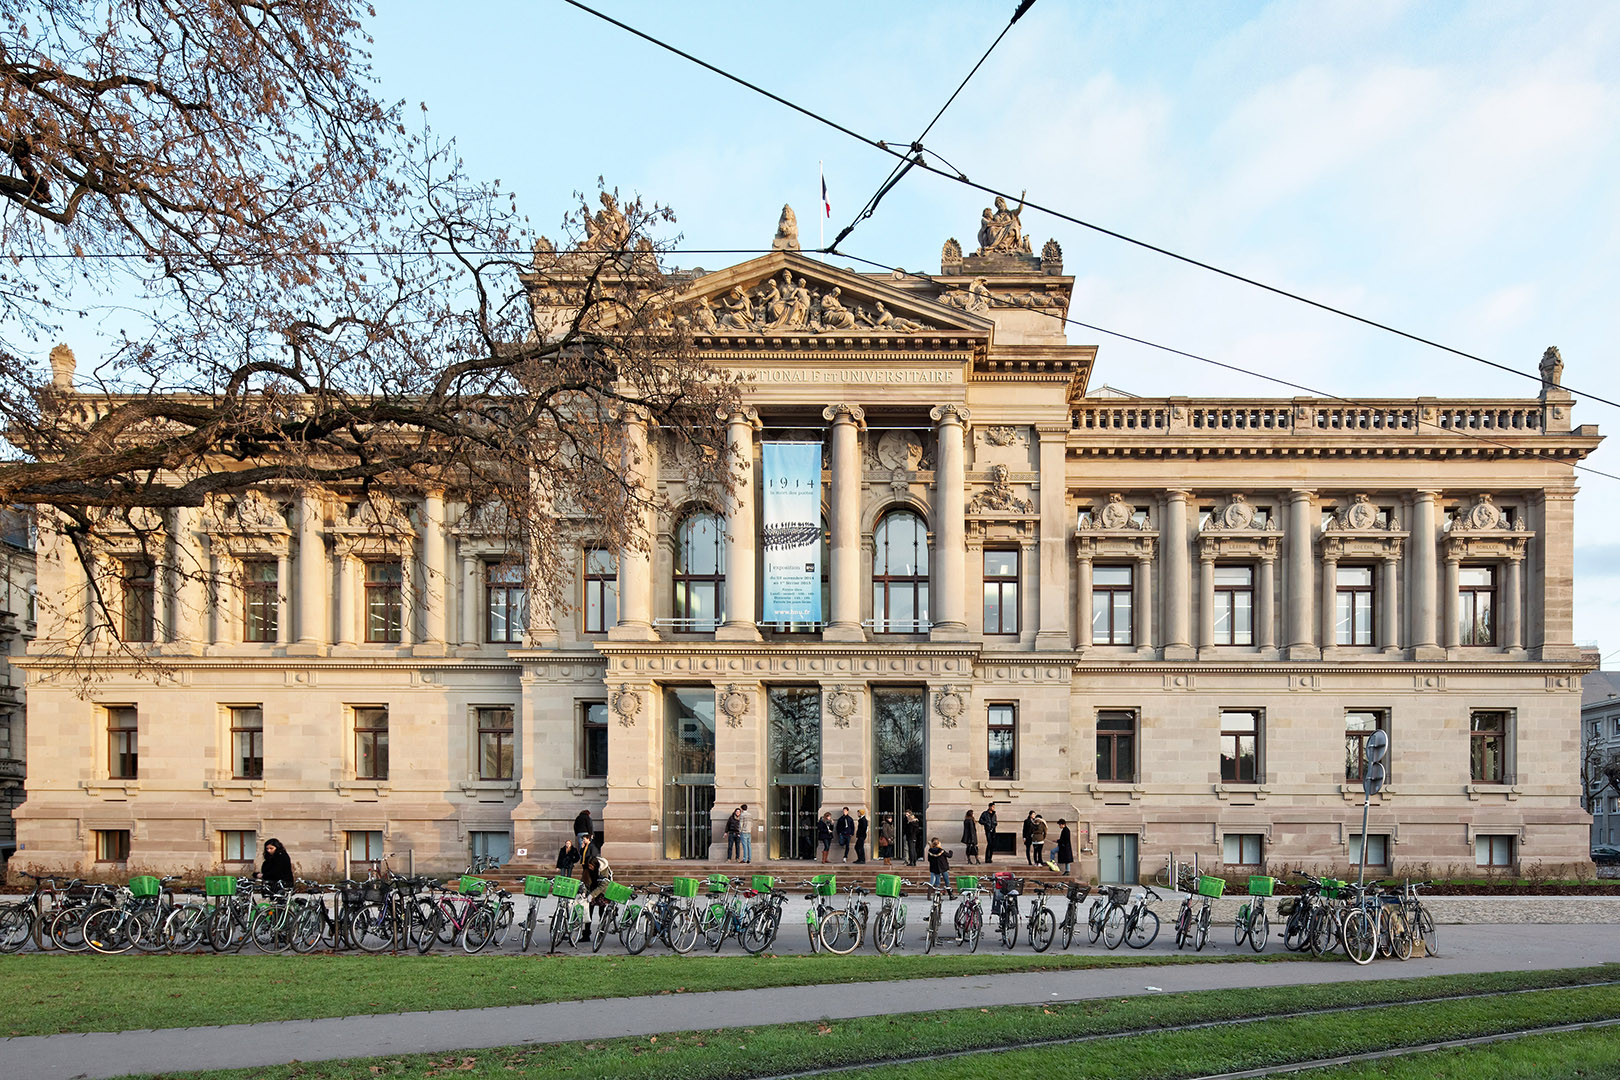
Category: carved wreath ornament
[734,704]
[627,703]
[842,704]
[948,704]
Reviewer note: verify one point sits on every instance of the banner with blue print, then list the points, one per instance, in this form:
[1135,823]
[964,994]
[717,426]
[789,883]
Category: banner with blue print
[790,531]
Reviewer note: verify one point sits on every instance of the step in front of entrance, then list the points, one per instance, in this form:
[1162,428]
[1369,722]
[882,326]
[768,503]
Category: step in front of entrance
[788,874]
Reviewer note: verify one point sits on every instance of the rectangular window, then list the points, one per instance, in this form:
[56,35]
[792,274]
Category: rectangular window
[494,743]
[1240,746]
[1488,732]
[247,742]
[601,590]
[1112,591]
[370,743]
[385,608]
[1000,593]
[1003,755]
[1493,850]
[593,718]
[1476,605]
[1243,850]
[1234,605]
[238,845]
[112,845]
[495,846]
[1116,746]
[1353,618]
[506,602]
[1359,724]
[365,851]
[123,759]
[138,598]
[261,600]
[1377,850]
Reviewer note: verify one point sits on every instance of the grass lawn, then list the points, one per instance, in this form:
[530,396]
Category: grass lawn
[48,993]
[1142,1049]
[1588,1055]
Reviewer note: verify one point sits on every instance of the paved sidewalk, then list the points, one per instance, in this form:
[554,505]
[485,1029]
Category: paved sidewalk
[1469,949]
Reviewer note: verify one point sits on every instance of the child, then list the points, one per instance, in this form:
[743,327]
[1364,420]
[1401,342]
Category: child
[939,865]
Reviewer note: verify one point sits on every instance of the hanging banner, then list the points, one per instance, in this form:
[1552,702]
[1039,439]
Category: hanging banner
[790,531]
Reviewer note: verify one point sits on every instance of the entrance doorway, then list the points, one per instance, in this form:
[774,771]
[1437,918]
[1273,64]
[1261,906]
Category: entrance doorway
[688,772]
[892,802]
[793,717]
[688,820]
[899,753]
[793,821]
[1117,853]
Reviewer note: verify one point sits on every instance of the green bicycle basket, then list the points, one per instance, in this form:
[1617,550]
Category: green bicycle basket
[472,886]
[145,886]
[764,883]
[536,886]
[888,885]
[1333,888]
[965,882]
[685,887]
[1260,885]
[219,886]
[1211,886]
[825,884]
[565,887]
[716,884]
[617,893]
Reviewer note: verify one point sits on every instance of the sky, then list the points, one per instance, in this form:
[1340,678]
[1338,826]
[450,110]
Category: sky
[1447,168]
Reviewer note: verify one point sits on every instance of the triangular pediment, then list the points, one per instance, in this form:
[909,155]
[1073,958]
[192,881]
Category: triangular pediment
[787,295]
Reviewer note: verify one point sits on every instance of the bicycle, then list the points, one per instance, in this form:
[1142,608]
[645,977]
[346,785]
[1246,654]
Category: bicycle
[1358,929]
[1103,908]
[725,916]
[114,929]
[1042,924]
[1418,917]
[1298,910]
[1004,905]
[1394,932]
[461,916]
[821,887]
[889,932]
[843,929]
[1074,892]
[969,917]
[1327,916]
[568,917]
[1252,924]
[765,918]
[28,919]
[937,895]
[536,889]
[67,920]
[1193,926]
[1133,922]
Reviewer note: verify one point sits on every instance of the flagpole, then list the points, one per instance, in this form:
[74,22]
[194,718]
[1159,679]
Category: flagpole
[821,215]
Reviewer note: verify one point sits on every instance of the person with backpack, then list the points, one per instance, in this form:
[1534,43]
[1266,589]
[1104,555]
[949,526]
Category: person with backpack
[939,864]
[734,835]
[1037,840]
[987,822]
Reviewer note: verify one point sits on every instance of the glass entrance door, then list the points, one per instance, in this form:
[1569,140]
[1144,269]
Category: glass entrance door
[793,821]
[688,772]
[688,821]
[793,716]
[892,802]
[899,784]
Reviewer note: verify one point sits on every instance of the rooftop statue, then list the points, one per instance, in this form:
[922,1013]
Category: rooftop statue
[787,232]
[608,229]
[1001,230]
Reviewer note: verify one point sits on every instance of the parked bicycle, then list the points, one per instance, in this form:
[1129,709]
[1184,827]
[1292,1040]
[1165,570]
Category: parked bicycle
[1075,892]
[1133,922]
[1252,923]
[1102,909]
[1419,919]
[1005,889]
[843,929]
[889,932]
[1042,924]
[969,917]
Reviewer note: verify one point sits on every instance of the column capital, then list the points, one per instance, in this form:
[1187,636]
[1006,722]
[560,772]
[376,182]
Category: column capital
[742,414]
[844,413]
[1301,494]
[1177,494]
[1426,494]
[1052,432]
[950,413]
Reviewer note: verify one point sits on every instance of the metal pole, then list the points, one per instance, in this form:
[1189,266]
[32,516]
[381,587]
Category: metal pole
[1361,873]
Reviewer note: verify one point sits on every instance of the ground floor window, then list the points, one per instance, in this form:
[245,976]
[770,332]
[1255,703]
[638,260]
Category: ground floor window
[238,845]
[112,845]
[365,851]
[1243,849]
[495,846]
[1493,850]
[1377,850]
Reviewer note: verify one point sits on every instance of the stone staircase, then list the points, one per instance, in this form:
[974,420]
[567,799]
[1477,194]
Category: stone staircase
[787,872]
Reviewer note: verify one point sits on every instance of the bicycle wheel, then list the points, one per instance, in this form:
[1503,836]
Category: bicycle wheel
[1095,919]
[812,927]
[268,930]
[1009,924]
[427,928]
[973,928]
[760,930]
[1066,928]
[16,927]
[186,927]
[308,928]
[1425,930]
[67,929]
[1042,929]
[636,932]
[1201,935]
[683,932]
[1259,931]
[111,931]
[1114,928]
[503,923]
[1240,925]
[716,920]
[931,930]
[1184,922]
[526,928]
[151,936]
[369,928]
[883,930]
[478,931]
[838,933]
[609,925]
[576,924]
[1360,936]
[1400,935]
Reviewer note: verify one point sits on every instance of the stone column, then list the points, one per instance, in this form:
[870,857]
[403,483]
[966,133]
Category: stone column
[635,565]
[844,569]
[950,528]
[283,600]
[1555,533]
[1265,607]
[435,586]
[1206,600]
[1512,606]
[1053,595]
[1177,579]
[1422,584]
[1084,560]
[1388,606]
[742,603]
[1449,630]
[189,597]
[631,821]
[1301,636]
[472,591]
[314,578]
[347,613]
[1141,606]
[1330,601]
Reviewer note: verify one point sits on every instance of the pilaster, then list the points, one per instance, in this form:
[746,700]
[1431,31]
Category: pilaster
[741,600]
[950,528]
[844,558]
[1301,629]
[1053,632]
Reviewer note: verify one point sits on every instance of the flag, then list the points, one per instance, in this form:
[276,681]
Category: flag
[826,207]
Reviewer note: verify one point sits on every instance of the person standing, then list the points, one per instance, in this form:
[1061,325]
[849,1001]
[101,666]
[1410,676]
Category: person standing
[745,829]
[734,835]
[1064,855]
[860,835]
[939,864]
[886,839]
[584,830]
[594,876]
[846,831]
[567,858]
[987,821]
[970,838]
[1037,840]
[824,834]
[1029,832]
[914,840]
[277,866]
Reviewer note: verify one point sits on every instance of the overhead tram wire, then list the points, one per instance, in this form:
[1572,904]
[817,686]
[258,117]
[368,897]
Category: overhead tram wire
[901,168]
[1236,368]
[408,253]
[960,178]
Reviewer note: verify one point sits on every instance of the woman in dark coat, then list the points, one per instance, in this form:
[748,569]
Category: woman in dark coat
[914,838]
[1064,855]
[567,858]
[277,866]
[824,834]
[970,837]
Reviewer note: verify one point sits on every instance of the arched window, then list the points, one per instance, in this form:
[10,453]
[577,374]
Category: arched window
[900,574]
[700,579]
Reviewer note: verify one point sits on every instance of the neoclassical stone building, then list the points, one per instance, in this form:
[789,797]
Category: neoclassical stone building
[1172,622]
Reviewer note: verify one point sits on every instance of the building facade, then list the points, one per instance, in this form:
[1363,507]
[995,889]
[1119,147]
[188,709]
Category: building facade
[1600,719]
[16,630]
[1172,622]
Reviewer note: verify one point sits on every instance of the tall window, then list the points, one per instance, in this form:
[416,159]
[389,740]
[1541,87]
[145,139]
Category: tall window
[507,602]
[1234,605]
[700,579]
[1001,592]
[385,608]
[1359,724]
[900,574]
[494,743]
[1476,605]
[593,718]
[601,590]
[138,598]
[238,845]
[1353,616]
[123,761]
[247,742]
[370,743]
[1240,746]
[1487,757]
[261,600]
[1111,595]
[1116,746]
[112,845]
[1003,755]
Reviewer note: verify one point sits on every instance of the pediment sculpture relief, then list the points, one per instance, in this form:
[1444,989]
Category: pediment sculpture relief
[1240,515]
[785,304]
[1360,516]
[251,511]
[999,496]
[1115,515]
[1485,516]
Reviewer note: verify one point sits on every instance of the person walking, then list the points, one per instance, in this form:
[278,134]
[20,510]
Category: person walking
[845,831]
[1064,855]
[1037,840]
[1029,832]
[987,821]
[886,839]
[860,835]
[939,864]
[824,834]
[970,838]
[914,840]
[277,867]
[745,830]
[734,835]
[584,829]
[567,858]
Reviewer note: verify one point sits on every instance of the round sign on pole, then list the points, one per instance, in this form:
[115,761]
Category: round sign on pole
[1377,746]
[1373,782]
